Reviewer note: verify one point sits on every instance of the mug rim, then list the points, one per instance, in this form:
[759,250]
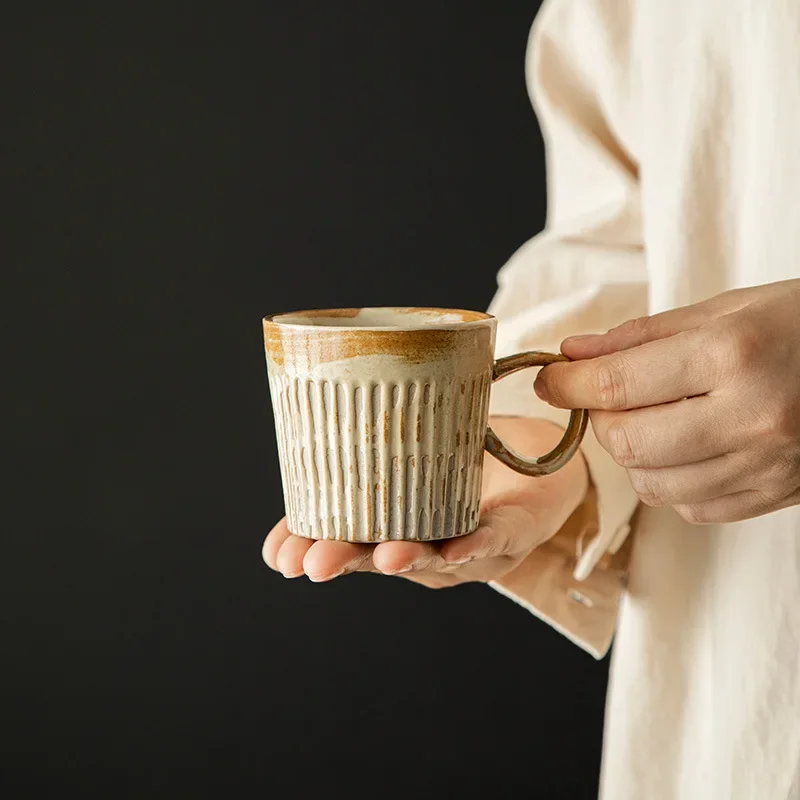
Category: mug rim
[470,319]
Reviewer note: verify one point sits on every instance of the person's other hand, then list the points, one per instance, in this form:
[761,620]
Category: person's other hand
[701,404]
[518,513]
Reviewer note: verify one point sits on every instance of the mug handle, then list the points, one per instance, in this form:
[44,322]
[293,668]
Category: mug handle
[570,441]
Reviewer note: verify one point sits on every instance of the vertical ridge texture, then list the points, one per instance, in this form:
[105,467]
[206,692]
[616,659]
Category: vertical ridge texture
[380,461]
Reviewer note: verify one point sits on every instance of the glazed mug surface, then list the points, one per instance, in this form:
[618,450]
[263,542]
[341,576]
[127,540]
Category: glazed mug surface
[381,420]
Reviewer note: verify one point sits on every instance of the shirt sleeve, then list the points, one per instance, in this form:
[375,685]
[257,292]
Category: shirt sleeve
[584,273]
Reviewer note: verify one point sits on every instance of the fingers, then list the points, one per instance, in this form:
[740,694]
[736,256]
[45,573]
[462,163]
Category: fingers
[399,558]
[294,556]
[321,561]
[506,533]
[636,332]
[291,556]
[667,435]
[733,508]
[508,530]
[657,372]
[284,552]
[693,483]
[272,544]
[639,331]
[326,560]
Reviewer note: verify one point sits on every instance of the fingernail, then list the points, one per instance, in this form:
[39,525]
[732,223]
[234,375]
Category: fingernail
[325,578]
[541,390]
[397,571]
[582,338]
[291,574]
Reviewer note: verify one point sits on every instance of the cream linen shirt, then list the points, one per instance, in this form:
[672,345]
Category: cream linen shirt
[672,132]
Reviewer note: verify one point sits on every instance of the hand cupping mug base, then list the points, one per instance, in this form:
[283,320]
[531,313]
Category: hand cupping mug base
[381,420]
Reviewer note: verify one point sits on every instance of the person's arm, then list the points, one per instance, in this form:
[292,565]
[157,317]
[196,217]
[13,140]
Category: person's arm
[585,273]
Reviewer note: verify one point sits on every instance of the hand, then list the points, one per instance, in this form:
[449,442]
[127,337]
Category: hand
[518,513]
[731,451]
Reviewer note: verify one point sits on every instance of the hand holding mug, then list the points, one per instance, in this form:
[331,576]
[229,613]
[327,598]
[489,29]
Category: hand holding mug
[518,513]
[701,404]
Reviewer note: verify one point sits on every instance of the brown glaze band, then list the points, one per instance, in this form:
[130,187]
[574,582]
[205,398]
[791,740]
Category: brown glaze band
[310,344]
[570,442]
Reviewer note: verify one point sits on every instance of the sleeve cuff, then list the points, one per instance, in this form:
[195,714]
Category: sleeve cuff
[586,611]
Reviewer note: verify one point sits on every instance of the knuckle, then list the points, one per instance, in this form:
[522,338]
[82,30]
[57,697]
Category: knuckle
[632,329]
[611,383]
[738,346]
[786,469]
[765,501]
[641,328]
[777,424]
[647,488]
[769,427]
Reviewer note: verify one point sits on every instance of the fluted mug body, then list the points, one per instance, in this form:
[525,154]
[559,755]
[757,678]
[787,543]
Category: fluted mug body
[381,419]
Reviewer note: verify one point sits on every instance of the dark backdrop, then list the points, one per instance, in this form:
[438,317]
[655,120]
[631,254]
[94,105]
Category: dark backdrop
[175,172]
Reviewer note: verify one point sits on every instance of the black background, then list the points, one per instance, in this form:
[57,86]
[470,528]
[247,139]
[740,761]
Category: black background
[174,174]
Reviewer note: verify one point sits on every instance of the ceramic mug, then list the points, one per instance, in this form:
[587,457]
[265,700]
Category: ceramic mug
[381,420]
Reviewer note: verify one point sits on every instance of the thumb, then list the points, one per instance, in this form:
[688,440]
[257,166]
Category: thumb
[507,530]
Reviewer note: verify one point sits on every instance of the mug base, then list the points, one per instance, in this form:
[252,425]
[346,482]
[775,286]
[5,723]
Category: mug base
[377,538]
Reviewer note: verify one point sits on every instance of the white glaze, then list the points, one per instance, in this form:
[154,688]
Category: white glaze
[376,447]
